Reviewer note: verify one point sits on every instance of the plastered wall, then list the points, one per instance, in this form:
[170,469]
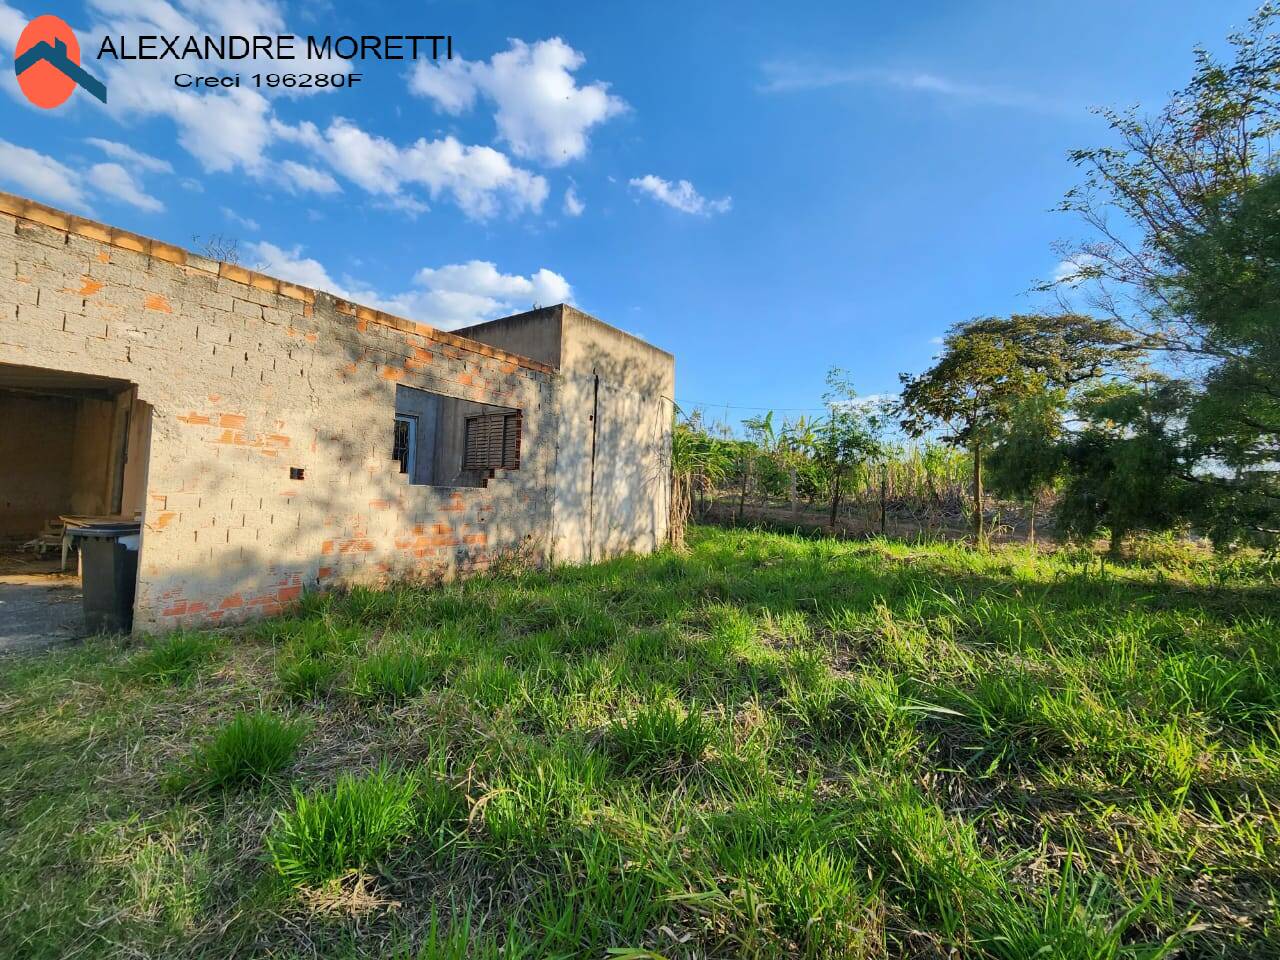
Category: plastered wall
[613,467]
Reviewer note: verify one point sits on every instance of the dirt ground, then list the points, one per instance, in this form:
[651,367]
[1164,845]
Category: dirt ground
[39,606]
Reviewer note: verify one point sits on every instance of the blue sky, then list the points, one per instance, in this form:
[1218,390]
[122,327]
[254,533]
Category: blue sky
[764,190]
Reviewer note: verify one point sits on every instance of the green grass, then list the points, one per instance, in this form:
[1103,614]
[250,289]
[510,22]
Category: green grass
[771,746]
[249,749]
[348,827]
[393,675]
[660,736]
[174,659]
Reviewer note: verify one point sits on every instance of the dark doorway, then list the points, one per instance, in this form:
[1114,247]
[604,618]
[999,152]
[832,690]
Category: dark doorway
[72,447]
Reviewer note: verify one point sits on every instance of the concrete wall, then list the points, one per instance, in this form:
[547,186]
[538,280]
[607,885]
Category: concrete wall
[246,377]
[36,443]
[240,378]
[613,472]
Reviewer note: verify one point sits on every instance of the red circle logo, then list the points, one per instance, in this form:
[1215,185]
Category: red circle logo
[43,83]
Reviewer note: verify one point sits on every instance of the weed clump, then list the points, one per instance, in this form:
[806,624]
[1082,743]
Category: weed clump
[356,823]
[660,736]
[249,749]
[394,675]
[176,659]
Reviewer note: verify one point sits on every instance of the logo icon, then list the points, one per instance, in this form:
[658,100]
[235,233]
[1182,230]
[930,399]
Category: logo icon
[47,62]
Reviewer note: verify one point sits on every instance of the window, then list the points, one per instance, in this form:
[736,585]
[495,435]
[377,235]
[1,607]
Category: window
[444,441]
[405,441]
[492,442]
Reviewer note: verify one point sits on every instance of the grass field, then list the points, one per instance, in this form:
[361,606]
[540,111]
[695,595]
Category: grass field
[769,746]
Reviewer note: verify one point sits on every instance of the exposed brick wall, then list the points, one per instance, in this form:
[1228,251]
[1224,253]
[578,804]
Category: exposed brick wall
[249,376]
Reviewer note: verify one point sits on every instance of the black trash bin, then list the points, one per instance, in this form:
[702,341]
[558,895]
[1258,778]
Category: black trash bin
[109,565]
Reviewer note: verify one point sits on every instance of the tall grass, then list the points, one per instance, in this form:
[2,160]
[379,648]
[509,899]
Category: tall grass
[764,746]
[174,659]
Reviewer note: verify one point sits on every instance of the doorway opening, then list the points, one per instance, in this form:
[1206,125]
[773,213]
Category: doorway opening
[73,453]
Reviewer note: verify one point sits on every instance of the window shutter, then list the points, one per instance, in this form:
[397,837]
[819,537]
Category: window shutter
[492,442]
[512,425]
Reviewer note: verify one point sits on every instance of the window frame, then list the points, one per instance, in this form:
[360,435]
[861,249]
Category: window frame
[409,455]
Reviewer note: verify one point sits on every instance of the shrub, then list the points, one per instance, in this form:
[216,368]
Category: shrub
[394,675]
[248,749]
[660,736]
[347,827]
[175,659]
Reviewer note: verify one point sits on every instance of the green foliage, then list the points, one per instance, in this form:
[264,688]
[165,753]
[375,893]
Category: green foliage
[1229,287]
[249,749]
[660,736]
[1197,184]
[1124,468]
[394,675]
[174,659]
[852,432]
[1027,456]
[992,366]
[350,826]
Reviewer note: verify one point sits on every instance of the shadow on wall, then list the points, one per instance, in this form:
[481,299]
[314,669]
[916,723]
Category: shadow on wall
[232,532]
[613,465]
[626,435]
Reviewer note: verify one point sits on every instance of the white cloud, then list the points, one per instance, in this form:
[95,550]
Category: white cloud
[1076,270]
[680,195]
[445,297]
[573,206]
[291,265]
[227,130]
[541,111]
[12,23]
[480,180]
[247,222]
[298,177]
[115,181]
[450,83]
[45,178]
[126,154]
[42,177]
[793,76]
[465,293]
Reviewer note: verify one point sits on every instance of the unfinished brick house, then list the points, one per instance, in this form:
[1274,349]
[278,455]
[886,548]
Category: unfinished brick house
[275,439]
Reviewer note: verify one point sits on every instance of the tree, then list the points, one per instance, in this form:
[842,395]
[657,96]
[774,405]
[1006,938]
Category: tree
[991,364]
[851,433]
[1124,468]
[1229,287]
[1196,185]
[1028,455]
